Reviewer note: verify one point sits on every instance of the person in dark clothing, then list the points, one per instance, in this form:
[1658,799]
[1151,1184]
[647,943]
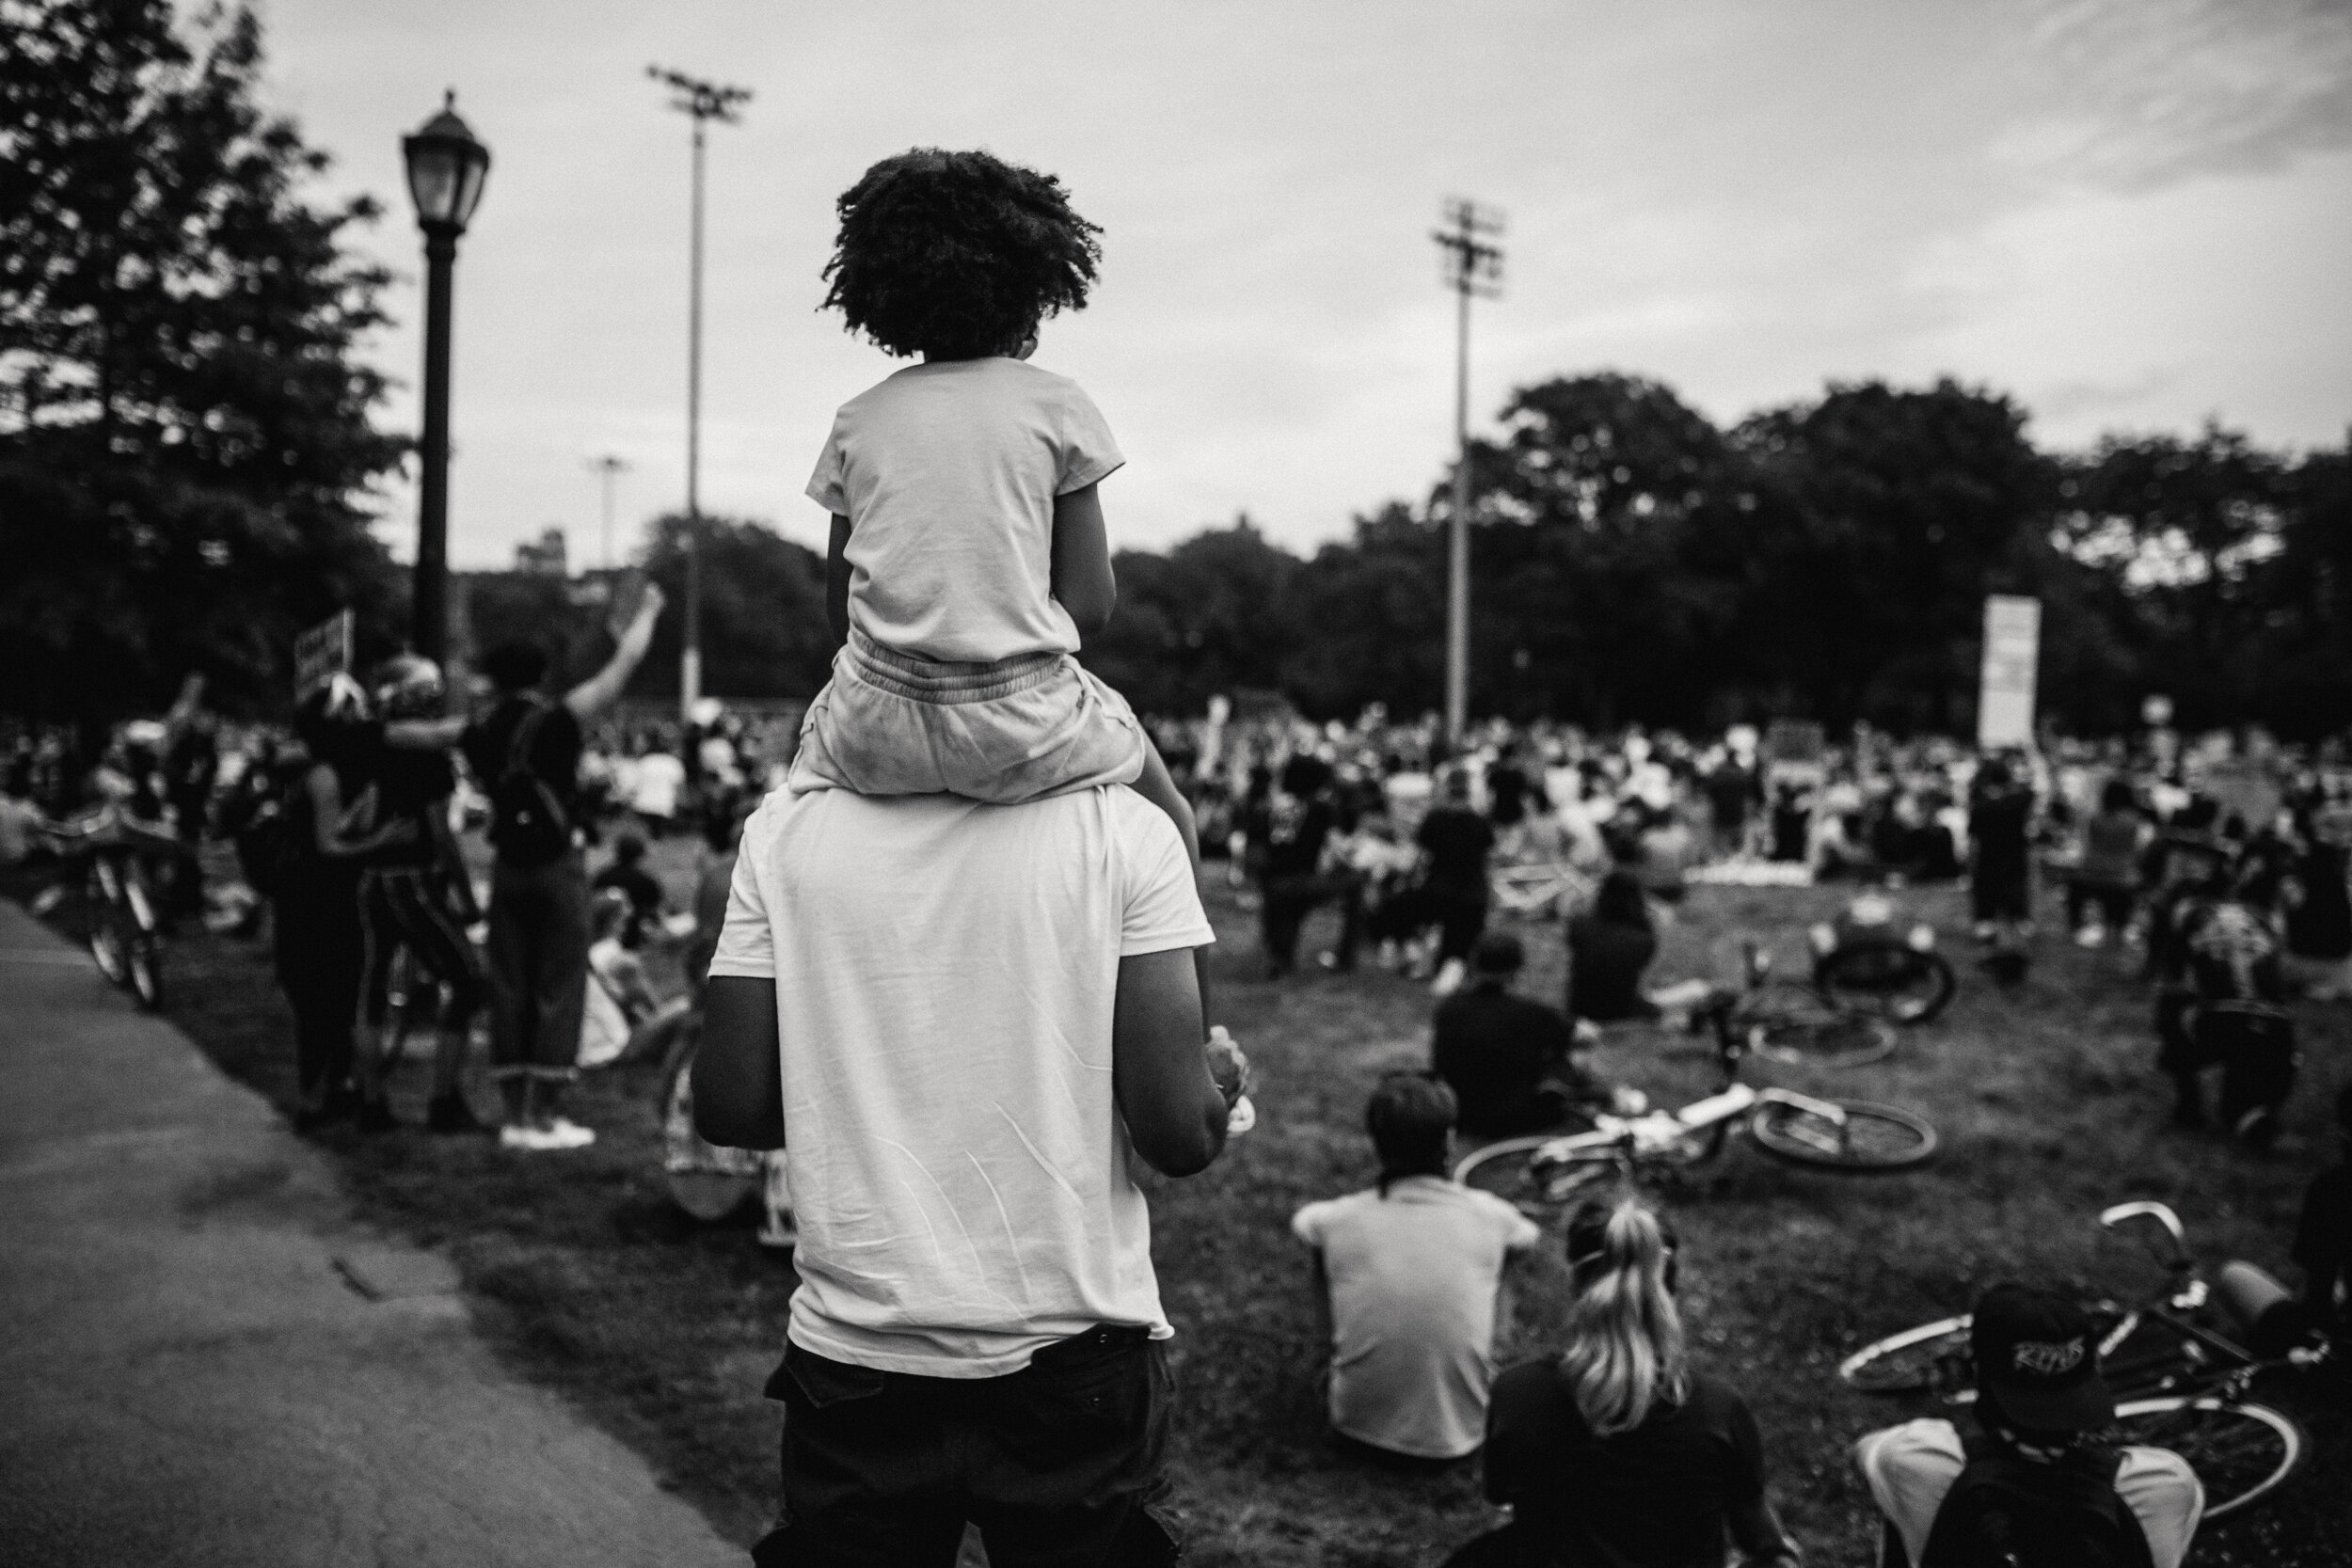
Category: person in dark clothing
[627,873]
[2323,1234]
[1510,792]
[415,895]
[526,754]
[1299,819]
[2001,873]
[1506,1058]
[2223,1003]
[328,830]
[1609,949]
[1617,1450]
[2319,911]
[1455,842]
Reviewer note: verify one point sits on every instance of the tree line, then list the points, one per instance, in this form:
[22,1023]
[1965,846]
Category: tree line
[188,455]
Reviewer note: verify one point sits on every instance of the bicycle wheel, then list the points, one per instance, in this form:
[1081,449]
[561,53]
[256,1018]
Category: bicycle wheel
[1932,1357]
[1872,1138]
[1521,1172]
[105,933]
[2242,1453]
[144,959]
[1902,985]
[706,1181]
[1794,1023]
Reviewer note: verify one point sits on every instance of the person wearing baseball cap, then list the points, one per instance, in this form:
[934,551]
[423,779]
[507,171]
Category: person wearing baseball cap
[2036,1468]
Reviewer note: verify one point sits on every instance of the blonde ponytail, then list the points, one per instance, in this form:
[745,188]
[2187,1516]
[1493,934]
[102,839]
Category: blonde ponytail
[1625,1349]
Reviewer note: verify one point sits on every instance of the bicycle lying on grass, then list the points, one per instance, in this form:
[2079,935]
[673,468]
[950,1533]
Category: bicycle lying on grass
[2179,1382]
[1551,1169]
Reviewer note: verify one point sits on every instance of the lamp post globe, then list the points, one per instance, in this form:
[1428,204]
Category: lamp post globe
[446,168]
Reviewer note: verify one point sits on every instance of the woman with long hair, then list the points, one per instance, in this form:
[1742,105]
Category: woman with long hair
[1616,1451]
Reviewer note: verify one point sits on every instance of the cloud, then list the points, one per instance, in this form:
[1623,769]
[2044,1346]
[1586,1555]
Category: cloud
[2138,94]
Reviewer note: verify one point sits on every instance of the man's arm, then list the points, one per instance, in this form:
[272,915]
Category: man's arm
[837,579]
[739,1076]
[599,692]
[1175,1112]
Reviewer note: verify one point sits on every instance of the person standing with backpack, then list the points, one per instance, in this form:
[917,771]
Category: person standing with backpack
[2032,1487]
[524,753]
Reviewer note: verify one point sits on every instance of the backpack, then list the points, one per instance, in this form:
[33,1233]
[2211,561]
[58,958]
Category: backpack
[528,823]
[2009,1512]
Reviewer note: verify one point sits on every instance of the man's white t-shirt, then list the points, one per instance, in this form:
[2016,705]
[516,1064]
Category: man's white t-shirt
[1910,1467]
[1413,1279]
[946,974]
[947,473]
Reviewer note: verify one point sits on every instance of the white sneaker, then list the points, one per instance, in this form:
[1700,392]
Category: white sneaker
[1448,979]
[2091,936]
[520,1138]
[560,1133]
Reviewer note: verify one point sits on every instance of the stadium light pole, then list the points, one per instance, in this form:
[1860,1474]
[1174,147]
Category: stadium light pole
[702,101]
[446,168]
[1473,265]
[608,468]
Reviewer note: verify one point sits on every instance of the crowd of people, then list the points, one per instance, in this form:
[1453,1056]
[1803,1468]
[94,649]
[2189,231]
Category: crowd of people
[959,981]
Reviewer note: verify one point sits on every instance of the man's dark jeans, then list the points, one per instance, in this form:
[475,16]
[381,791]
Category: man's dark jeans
[1058,1464]
[538,967]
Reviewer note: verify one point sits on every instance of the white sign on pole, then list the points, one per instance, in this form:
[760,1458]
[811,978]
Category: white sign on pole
[322,653]
[2012,654]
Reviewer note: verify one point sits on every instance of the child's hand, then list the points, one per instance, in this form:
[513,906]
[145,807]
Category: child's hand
[1228,1066]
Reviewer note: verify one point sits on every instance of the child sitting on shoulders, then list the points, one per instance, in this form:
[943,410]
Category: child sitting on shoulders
[968,555]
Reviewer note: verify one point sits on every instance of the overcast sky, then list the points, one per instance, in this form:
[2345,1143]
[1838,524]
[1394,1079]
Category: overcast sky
[2129,213]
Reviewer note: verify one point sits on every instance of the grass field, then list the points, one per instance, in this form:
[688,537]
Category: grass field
[665,1330]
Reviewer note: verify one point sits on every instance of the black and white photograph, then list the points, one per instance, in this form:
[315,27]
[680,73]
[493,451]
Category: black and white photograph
[1514,785]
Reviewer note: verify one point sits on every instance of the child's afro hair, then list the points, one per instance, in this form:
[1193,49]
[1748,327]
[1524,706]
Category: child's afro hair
[957,255]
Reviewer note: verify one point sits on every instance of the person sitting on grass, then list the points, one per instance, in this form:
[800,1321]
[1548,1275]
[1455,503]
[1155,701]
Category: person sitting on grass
[1616,1451]
[1609,949]
[1408,1273]
[2323,1235]
[628,874]
[1508,1059]
[2032,1486]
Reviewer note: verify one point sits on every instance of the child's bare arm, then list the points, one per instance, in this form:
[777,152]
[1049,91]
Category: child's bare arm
[1082,561]
[837,579]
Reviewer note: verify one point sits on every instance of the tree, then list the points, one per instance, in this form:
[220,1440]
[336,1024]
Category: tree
[764,632]
[185,441]
[2189,532]
[1881,518]
[1209,616]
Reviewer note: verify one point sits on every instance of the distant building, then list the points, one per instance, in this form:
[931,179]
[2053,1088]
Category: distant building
[546,558]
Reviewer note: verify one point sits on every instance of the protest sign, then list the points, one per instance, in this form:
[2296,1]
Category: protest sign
[322,653]
[2012,654]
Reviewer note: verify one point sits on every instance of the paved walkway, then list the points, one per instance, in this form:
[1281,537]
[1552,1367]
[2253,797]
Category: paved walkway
[204,1361]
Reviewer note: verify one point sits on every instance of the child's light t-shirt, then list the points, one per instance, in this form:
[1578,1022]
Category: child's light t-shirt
[947,473]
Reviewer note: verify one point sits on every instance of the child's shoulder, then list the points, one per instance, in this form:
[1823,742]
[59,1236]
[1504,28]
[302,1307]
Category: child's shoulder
[993,379]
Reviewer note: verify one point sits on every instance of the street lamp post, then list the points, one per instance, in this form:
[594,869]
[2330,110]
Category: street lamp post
[702,102]
[1472,266]
[446,168]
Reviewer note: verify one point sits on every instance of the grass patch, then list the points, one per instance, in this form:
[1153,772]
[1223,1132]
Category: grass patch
[664,1330]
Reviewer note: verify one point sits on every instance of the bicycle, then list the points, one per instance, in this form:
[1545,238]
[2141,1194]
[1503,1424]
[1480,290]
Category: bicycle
[1546,1170]
[705,1179]
[125,930]
[1861,963]
[2179,1384]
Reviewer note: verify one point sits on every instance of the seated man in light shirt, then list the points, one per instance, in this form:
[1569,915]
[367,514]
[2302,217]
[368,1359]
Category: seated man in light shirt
[2035,1471]
[960,1021]
[1411,1270]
